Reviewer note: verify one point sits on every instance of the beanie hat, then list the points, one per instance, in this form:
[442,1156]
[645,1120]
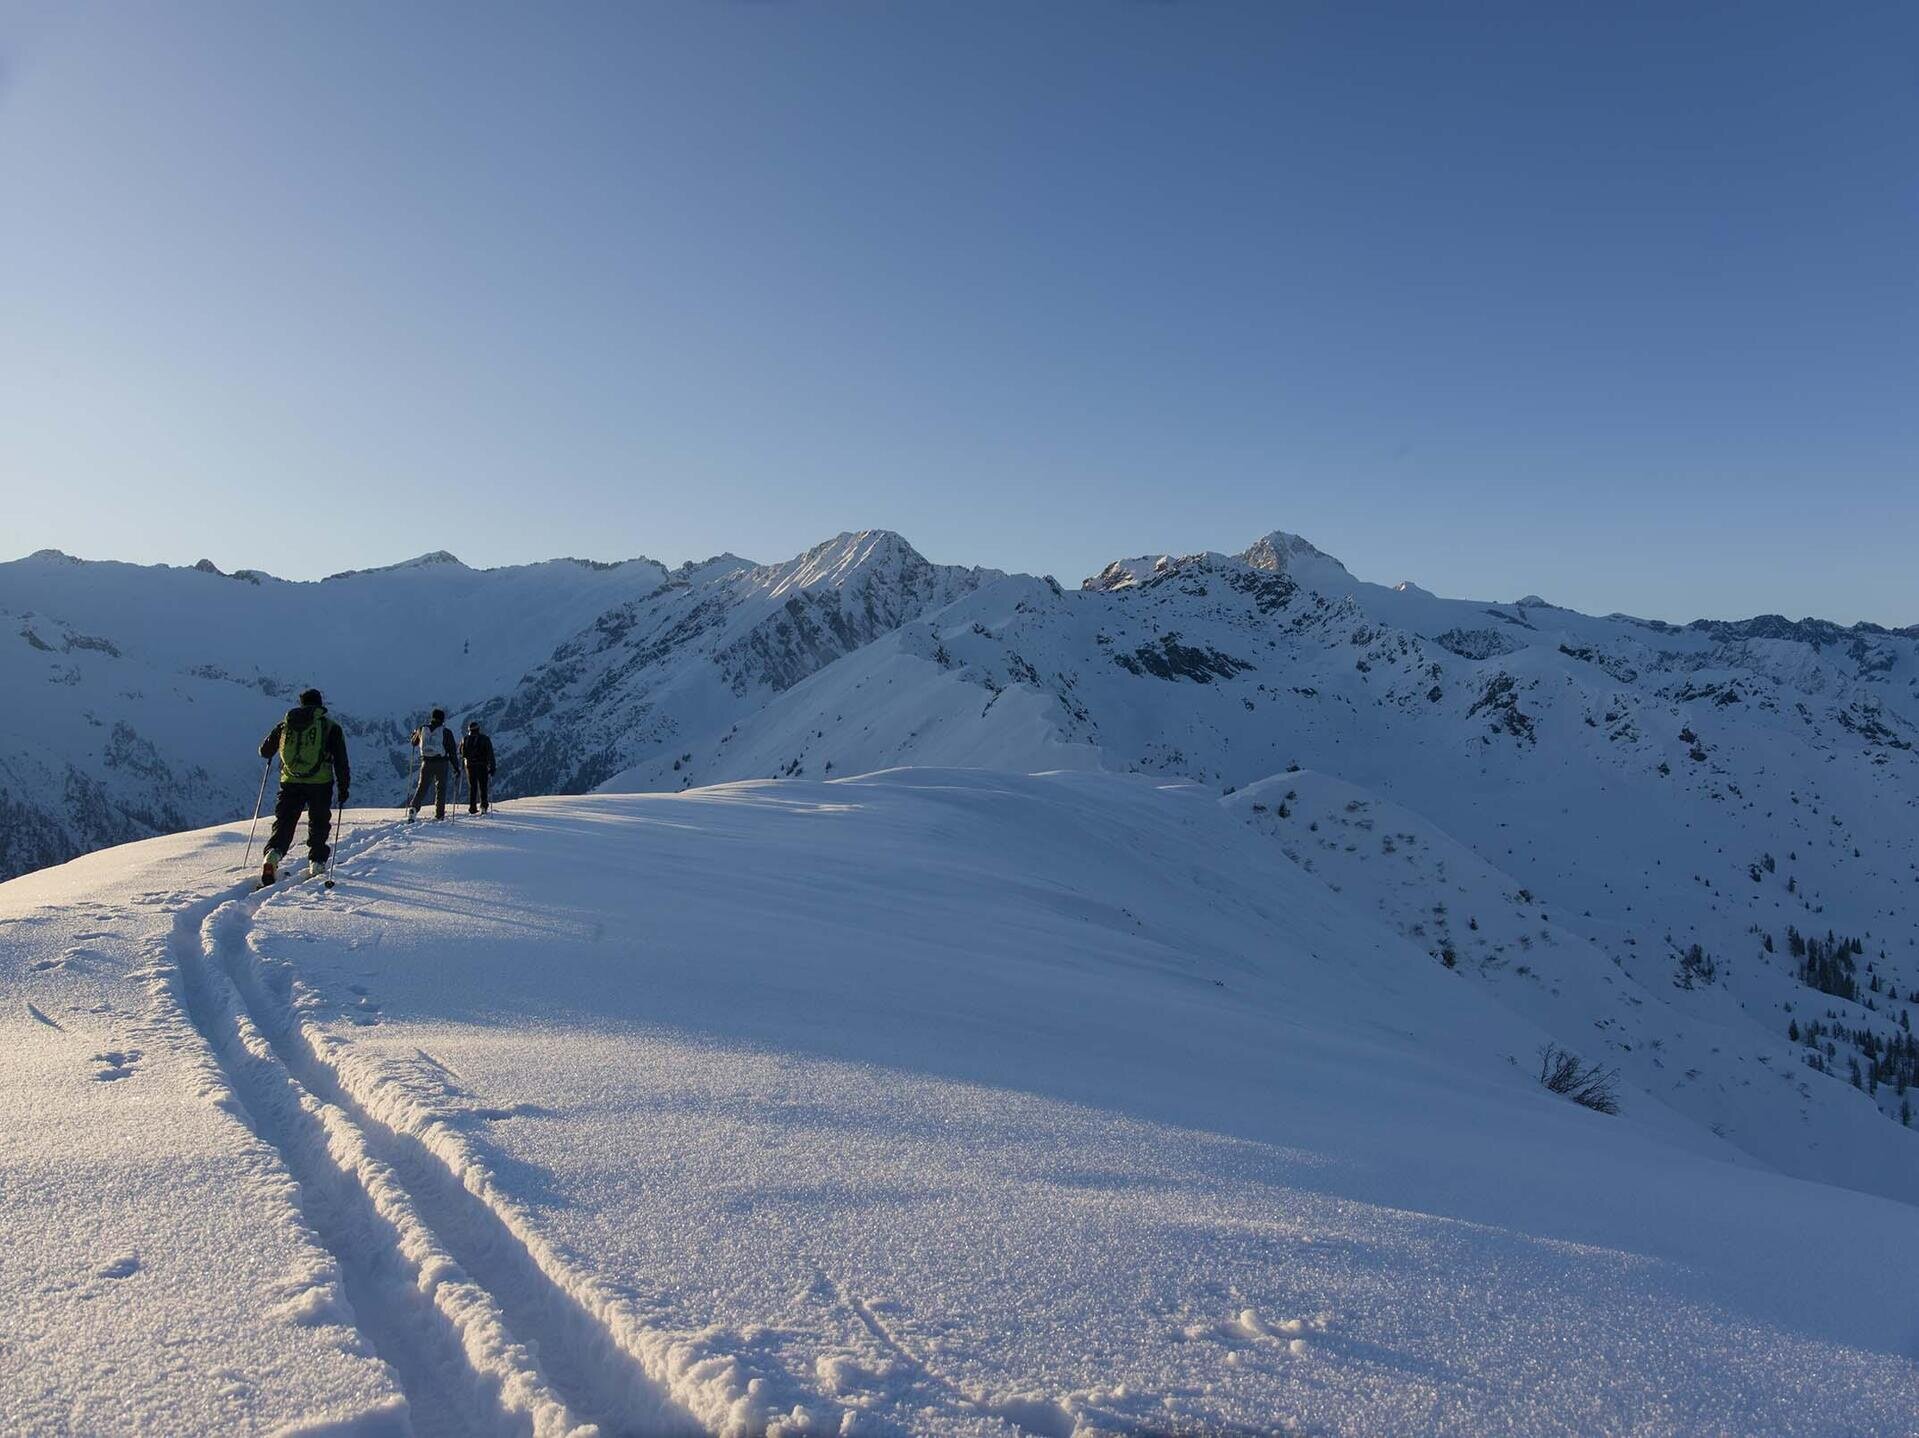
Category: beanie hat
[311,696]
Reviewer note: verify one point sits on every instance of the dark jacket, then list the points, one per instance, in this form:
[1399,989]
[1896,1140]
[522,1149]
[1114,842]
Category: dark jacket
[477,750]
[335,745]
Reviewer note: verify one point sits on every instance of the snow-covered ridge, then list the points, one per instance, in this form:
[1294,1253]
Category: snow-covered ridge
[1723,785]
[136,693]
[682,664]
[929,1101]
[419,561]
[1283,553]
[1686,853]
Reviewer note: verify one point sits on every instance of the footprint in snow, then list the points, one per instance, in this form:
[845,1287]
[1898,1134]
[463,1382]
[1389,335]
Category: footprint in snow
[116,1064]
[76,957]
[125,1266]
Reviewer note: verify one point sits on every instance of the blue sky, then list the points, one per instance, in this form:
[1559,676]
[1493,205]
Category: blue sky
[1613,303]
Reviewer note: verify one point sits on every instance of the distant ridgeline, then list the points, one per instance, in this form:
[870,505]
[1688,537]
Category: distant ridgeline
[1697,799]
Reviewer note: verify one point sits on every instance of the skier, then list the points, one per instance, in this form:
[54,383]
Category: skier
[435,743]
[312,750]
[477,750]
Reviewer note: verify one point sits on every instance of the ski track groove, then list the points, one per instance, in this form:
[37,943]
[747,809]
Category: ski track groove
[409,1301]
[580,1356]
[488,1329]
[655,1381]
[437,1326]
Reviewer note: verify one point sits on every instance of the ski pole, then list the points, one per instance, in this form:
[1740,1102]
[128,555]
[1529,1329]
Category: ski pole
[339,834]
[247,862]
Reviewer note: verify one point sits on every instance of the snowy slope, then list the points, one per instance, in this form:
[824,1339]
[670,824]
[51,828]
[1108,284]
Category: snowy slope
[928,1102]
[1716,1051]
[400,631]
[1751,789]
[1721,785]
[137,695]
[678,665]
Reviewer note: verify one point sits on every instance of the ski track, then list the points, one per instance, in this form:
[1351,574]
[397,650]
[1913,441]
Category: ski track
[487,1329]
[480,1336]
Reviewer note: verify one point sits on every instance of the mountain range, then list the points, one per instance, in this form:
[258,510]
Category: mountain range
[1690,852]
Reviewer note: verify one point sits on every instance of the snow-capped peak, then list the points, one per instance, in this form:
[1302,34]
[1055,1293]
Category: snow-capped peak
[1125,573]
[837,561]
[1275,553]
[419,561]
[1283,553]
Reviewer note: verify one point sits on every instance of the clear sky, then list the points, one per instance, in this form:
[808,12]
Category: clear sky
[1612,302]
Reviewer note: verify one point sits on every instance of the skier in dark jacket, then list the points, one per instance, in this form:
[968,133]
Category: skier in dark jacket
[435,743]
[312,750]
[477,751]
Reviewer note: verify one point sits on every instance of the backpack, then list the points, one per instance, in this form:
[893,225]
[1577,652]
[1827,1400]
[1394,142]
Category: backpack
[303,735]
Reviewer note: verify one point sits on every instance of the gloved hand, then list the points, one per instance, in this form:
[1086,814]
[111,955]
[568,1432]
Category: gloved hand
[343,798]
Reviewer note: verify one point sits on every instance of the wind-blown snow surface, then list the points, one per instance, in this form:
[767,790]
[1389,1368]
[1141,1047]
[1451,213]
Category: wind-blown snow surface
[928,1102]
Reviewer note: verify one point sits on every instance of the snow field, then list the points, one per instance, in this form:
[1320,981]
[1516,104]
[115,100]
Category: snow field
[918,1162]
[927,1102]
[157,1274]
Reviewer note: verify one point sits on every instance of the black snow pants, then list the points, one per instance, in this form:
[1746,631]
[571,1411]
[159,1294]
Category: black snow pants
[433,772]
[313,800]
[478,781]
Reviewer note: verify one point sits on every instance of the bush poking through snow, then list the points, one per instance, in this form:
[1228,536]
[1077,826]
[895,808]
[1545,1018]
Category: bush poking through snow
[1564,1072]
[1695,967]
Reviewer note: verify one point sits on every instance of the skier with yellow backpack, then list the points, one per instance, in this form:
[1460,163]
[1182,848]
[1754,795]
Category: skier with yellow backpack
[312,750]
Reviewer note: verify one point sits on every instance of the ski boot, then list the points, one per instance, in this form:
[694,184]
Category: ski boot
[269,871]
